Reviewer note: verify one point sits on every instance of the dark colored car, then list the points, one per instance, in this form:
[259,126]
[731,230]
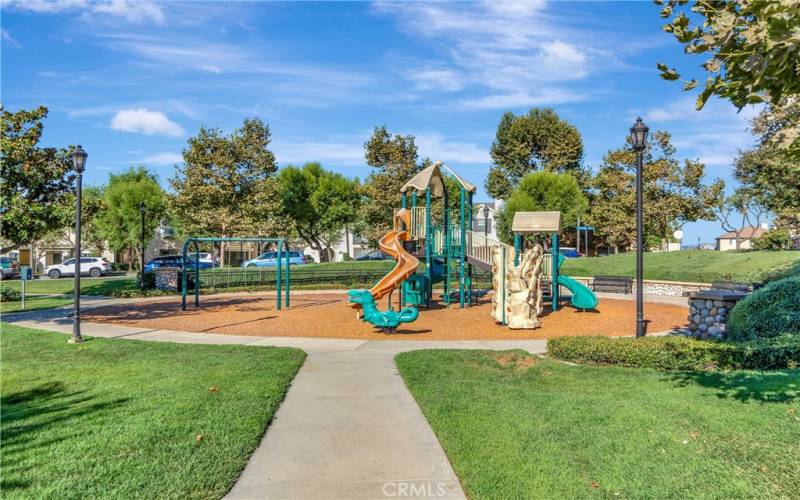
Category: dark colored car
[174,261]
[375,255]
[8,268]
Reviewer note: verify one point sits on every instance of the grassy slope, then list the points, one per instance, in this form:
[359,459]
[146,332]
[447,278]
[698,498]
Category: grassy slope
[117,418]
[559,431]
[691,265]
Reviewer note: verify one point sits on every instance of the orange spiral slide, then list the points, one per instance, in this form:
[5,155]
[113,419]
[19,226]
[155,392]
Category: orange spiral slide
[392,244]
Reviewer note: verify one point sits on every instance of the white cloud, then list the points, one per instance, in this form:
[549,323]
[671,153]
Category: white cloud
[436,79]
[134,11]
[161,159]
[522,99]
[504,49]
[438,147]
[8,39]
[347,151]
[145,121]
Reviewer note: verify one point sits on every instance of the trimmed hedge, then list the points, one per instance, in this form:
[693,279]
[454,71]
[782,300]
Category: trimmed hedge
[768,312]
[678,353]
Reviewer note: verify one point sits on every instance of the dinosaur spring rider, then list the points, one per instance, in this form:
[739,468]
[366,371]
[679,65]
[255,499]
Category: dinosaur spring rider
[388,321]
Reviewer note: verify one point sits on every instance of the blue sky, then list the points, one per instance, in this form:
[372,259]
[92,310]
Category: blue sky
[132,80]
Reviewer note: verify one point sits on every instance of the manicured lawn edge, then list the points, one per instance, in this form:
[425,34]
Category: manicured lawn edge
[517,426]
[122,418]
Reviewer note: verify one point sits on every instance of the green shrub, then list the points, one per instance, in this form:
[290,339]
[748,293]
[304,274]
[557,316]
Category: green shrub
[768,312]
[678,353]
[775,239]
[9,294]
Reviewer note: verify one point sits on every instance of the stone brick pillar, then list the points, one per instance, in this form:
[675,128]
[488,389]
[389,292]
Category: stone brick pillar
[709,310]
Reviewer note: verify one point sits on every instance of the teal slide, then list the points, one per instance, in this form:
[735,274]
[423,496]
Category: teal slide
[582,297]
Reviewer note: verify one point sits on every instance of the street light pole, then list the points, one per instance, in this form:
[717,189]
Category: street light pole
[78,163]
[639,140]
[141,264]
[486,221]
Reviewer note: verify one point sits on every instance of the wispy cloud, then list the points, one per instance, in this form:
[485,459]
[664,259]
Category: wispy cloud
[8,39]
[161,159]
[145,121]
[497,51]
[134,11]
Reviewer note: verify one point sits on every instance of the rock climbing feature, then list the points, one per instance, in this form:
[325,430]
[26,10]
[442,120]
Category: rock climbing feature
[518,291]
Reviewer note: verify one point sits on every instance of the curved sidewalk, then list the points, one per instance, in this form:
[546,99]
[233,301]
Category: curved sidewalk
[348,427]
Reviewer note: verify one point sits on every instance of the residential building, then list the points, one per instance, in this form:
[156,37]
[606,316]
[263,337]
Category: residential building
[484,217]
[746,236]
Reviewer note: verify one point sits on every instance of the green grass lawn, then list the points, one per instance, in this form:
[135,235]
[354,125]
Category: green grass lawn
[692,265]
[551,430]
[125,419]
[89,286]
[34,303]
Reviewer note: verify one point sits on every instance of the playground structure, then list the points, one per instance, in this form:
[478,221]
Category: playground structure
[450,249]
[283,271]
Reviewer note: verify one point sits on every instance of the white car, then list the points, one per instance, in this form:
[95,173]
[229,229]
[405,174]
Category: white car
[205,257]
[93,266]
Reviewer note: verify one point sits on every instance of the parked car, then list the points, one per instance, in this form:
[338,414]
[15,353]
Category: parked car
[208,258]
[270,259]
[375,255]
[569,253]
[8,268]
[93,266]
[174,261]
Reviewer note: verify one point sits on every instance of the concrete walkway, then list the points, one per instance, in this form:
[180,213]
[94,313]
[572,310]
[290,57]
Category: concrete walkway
[348,427]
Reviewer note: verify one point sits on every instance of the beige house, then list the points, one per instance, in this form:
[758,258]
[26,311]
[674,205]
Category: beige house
[727,241]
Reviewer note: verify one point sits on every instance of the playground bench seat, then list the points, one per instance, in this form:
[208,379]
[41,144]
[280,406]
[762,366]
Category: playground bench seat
[614,284]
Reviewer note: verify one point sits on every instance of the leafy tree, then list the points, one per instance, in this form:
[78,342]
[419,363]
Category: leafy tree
[742,205]
[227,186]
[544,191]
[121,221]
[394,160]
[673,194]
[774,180]
[538,140]
[751,49]
[774,239]
[92,207]
[35,183]
[318,204]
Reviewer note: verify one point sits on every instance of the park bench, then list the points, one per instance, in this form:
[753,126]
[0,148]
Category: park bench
[615,284]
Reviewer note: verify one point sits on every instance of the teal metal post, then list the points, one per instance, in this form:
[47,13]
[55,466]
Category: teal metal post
[462,247]
[288,272]
[403,200]
[428,244]
[517,247]
[448,246]
[554,280]
[196,274]
[278,278]
[469,266]
[183,275]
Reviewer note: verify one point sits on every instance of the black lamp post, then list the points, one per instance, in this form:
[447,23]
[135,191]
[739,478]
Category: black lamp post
[639,141]
[486,221]
[78,163]
[141,266]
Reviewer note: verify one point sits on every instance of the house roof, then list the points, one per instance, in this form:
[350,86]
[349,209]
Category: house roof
[748,233]
[432,177]
[536,222]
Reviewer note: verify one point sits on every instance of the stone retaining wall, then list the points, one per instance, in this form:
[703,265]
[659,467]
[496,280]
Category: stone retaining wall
[167,278]
[660,287]
[708,313]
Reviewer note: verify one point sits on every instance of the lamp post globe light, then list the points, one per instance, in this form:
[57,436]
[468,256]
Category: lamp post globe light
[142,208]
[78,164]
[639,141]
